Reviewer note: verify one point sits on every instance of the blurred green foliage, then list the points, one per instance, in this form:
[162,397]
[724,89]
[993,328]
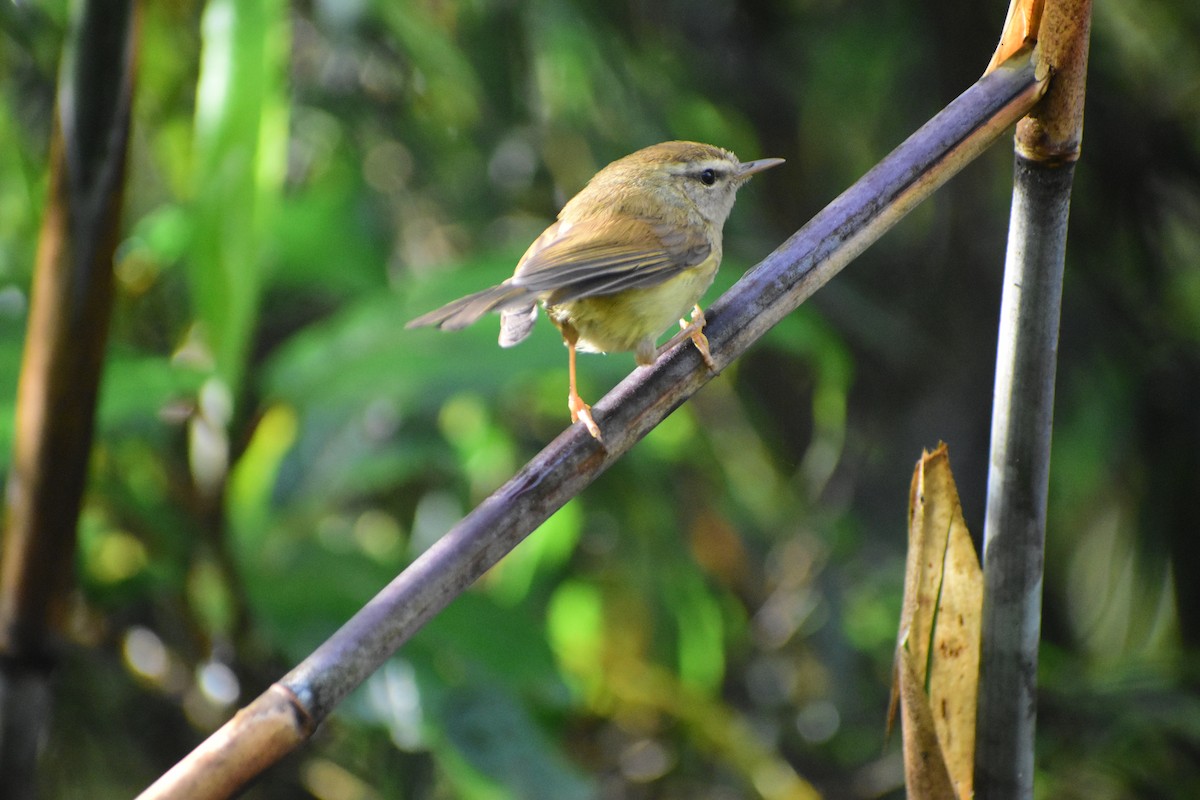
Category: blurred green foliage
[716,614]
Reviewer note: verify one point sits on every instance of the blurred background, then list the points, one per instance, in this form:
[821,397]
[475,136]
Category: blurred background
[715,616]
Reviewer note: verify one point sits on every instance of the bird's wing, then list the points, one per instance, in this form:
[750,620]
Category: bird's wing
[604,256]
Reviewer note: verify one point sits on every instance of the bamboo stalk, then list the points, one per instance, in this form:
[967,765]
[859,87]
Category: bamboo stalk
[774,288]
[70,305]
[1047,145]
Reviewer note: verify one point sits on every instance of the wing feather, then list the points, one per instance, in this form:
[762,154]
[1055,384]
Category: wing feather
[605,256]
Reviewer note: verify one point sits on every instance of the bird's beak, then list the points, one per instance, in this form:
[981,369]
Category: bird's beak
[748,168]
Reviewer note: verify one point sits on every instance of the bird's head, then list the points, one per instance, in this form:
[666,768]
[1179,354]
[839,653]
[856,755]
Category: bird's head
[706,175]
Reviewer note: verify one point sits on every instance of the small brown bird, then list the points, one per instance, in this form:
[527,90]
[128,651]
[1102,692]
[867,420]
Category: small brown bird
[629,255]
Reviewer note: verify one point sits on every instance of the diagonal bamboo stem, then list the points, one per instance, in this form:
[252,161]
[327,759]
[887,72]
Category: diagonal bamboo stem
[770,291]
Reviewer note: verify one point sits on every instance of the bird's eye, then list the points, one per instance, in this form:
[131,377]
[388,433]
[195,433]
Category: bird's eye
[708,177]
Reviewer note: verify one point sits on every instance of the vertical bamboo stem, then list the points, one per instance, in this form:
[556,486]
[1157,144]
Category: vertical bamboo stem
[60,374]
[1014,529]
[1047,144]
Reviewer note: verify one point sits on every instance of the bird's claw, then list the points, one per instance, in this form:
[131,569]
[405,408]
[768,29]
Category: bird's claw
[693,330]
[582,412]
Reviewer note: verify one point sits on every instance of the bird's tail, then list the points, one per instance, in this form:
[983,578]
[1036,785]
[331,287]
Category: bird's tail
[516,323]
[515,300]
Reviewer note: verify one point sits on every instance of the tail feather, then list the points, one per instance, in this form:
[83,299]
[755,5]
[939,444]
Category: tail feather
[465,310]
[516,323]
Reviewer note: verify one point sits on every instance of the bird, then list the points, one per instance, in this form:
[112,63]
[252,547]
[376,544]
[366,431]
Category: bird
[627,257]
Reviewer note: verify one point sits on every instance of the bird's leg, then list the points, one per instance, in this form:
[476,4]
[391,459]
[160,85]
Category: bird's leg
[580,411]
[693,330]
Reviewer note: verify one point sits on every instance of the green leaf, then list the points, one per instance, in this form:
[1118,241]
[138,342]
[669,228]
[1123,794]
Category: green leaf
[495,735]
[137,387]
[239,152]
[701,631]
[503,645]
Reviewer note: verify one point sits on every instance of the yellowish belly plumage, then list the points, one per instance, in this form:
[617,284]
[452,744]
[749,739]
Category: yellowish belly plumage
[635,318]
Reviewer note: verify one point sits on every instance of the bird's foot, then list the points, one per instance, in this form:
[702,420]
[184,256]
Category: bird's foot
[582,412]
[693,330]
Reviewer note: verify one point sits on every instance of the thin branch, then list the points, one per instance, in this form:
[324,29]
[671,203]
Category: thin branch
[1047,146]
[766,294]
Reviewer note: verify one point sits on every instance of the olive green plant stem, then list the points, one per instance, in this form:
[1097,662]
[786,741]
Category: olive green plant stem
[70,306]
[1047,145]
[773,289]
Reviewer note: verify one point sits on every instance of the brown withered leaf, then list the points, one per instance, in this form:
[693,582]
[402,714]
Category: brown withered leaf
[937,655]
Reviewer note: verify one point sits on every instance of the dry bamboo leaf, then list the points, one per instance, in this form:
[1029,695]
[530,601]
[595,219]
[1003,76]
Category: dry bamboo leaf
[925,773]
[938,650]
